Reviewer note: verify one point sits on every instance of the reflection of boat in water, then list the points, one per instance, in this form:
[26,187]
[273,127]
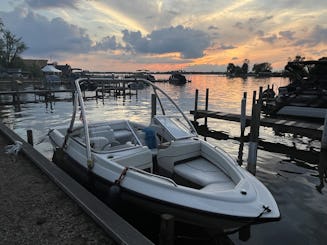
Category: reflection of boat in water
[305,96]
[162,166]
[177,78]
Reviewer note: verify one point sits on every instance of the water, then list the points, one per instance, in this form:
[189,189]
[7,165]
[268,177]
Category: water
[291,180]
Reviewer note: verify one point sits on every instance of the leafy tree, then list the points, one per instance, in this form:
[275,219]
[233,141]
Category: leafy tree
[10,47]
[245,66]
[262,67]
[230,68]
[237,70]
[297,58]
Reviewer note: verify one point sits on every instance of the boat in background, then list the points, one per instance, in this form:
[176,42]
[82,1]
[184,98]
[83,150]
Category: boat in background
[142,74]
[177,78]
[162,166]
[305,96]
[138,76]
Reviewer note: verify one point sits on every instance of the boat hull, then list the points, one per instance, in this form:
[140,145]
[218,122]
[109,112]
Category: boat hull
[119,197]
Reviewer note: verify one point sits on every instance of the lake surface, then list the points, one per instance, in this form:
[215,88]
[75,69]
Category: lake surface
[290,178]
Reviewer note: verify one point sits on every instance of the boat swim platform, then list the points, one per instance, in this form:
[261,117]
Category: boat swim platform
[114,226]
[310,129]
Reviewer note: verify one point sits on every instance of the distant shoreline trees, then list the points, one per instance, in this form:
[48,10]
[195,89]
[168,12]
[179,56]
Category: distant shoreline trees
[243,71]
[237,71]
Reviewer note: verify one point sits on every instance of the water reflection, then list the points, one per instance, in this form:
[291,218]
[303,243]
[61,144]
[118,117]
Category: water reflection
[287,165]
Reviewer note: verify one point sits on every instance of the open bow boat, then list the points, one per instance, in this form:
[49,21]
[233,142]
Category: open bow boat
[163,166]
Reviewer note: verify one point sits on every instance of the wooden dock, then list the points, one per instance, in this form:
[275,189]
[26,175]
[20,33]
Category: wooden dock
[310,129]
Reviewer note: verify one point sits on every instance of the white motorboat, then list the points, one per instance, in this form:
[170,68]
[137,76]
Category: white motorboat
[162,166]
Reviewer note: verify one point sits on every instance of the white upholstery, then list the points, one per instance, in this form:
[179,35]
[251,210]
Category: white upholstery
[201,172]
[140,157]
[177,151]
[123,135]
[98,143]
[103,131]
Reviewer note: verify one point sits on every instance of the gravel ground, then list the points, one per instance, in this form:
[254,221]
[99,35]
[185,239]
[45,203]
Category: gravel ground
[33,210]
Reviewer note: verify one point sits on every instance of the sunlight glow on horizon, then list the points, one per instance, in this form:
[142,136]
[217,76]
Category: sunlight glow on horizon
[168,35]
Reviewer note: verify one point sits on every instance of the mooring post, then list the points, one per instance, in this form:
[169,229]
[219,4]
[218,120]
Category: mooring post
[153,105]
[260,101]
[324,135]
[243,113]
[254,98]
[206,107]
[30,136]
[196,105]
[243,124]
[254,135]
[124,87]
[322,166]
[167,227]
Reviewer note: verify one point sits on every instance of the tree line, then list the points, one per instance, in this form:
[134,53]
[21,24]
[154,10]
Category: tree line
[235,70]
[11,47]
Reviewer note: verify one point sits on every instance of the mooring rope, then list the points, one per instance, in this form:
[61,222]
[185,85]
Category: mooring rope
[266,209]
[14,149]
[121,176]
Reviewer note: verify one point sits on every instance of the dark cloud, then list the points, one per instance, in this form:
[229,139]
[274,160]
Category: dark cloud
[287,34]
[269,39]
[213,28]
[52,3]
[260,33]
[46,37]
[239,25]
[252,23]
[107,43]
[188,42]
[226,47]
[317,36]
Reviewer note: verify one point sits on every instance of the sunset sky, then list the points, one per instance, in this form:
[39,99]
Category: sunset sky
[162,35]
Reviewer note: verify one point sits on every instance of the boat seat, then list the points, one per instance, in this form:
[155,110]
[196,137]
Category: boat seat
[123,135]
[200,171]
[104,131]
[177,151]
[97,143]
[140,157]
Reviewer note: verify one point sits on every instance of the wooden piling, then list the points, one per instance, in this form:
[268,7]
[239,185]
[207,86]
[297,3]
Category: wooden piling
[153,105]
[243,113]
[167,227]
[322,166]
[196,104]
[324,135]
[206,107]
[260,101]
[254,98]
[124,88]
[243,125]
[29,133]
[254,135]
